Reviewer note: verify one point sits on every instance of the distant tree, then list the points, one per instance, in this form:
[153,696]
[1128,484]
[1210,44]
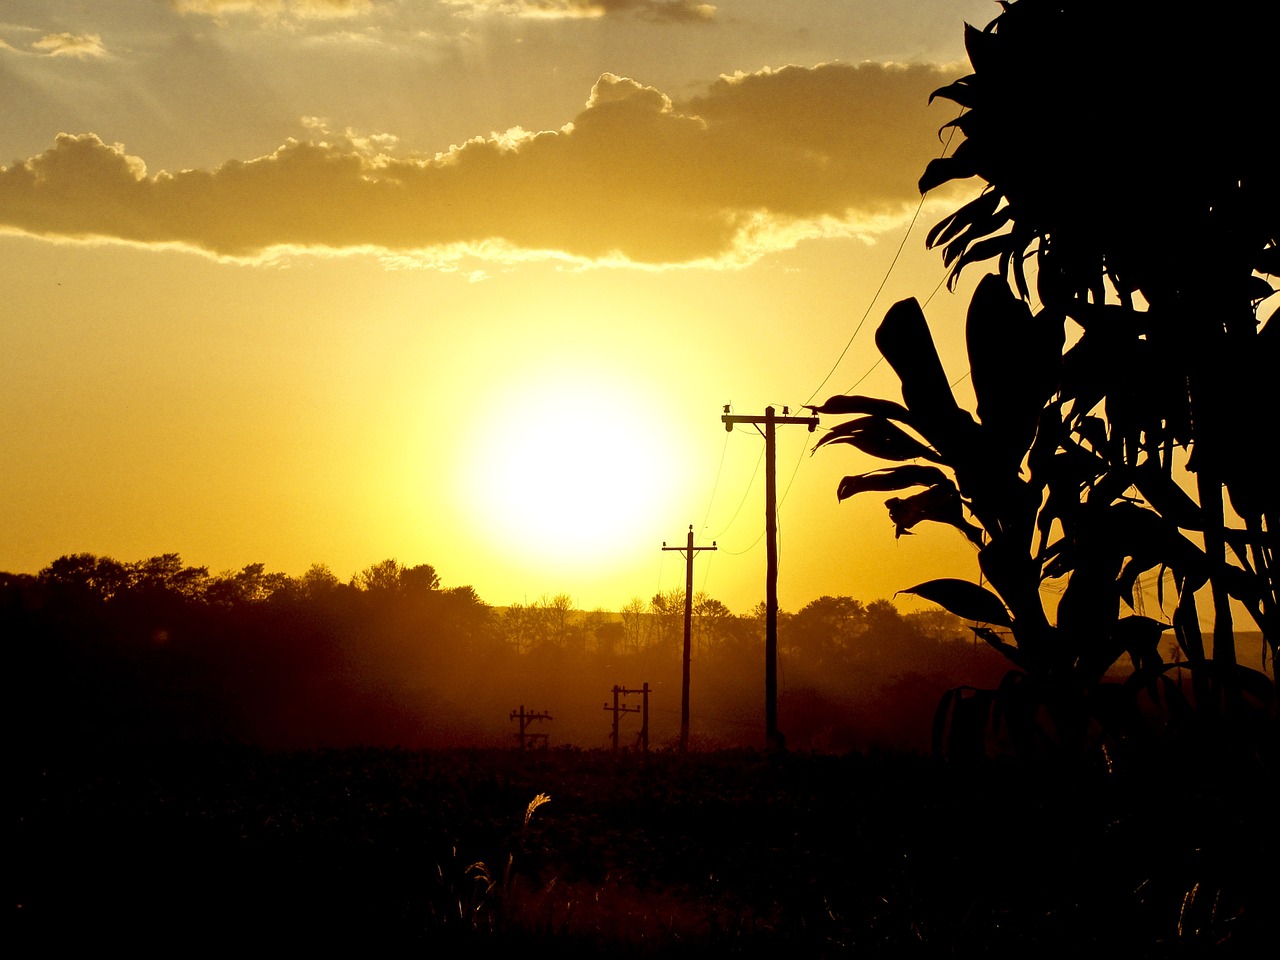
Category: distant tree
[419,579]
[609,635]
[937,625]
[600,633]
[382,577]
[824,630]
[166,574]
[252,584]
[667,620]
[460,614]
[633,624]
[464,594]
[319,581]
[558,612]
[85,575]
[519,627]
[712,621]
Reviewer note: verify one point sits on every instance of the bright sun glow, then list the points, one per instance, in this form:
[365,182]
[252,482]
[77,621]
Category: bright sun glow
[576,468]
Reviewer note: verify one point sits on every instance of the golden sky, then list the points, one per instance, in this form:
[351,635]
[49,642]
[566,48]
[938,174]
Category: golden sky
[463,283]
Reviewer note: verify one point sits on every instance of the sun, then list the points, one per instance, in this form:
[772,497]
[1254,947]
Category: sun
[573,465]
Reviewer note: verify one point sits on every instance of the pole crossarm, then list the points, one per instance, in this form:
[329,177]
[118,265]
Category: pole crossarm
[730,419]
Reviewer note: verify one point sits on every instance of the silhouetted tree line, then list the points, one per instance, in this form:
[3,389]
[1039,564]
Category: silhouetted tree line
[157,650]
[160,650]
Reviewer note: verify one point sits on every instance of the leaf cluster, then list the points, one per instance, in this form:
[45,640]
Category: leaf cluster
[1047,491]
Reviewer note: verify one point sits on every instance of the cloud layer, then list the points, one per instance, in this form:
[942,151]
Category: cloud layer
[667,10]
[756,163]
[670,10]
[70,45]
[299,8]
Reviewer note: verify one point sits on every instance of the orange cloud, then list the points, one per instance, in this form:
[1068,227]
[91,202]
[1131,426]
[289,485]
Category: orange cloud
[300,8]
[71,45]
[667,10]
[757,163]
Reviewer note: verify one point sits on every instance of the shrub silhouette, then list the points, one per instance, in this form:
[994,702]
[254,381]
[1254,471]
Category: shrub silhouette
[1156,256]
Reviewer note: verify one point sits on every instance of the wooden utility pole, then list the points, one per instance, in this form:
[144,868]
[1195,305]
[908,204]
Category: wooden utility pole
[525,738]
[688,552]
[772,737]
[619,709]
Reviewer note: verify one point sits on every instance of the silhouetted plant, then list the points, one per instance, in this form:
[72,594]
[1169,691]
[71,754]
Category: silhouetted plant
[1068,118]
[974,466]
[1042,496]
[1155,254]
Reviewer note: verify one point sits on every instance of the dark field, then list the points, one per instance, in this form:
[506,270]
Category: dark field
[385,852]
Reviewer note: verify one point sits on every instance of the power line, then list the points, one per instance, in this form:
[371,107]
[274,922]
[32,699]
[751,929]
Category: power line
[746,550]
[871,303]
[839,359]
[794,471]
[716,486]
[883,282]
[745,494]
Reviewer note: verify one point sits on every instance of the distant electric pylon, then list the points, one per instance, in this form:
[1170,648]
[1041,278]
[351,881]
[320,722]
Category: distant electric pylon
[527,717]
[772,738]
[688,550]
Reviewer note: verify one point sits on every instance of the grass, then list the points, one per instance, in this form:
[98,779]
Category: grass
[723,854]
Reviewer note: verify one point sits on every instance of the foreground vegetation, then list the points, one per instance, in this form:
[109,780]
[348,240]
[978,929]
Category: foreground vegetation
[193,850]
[1118,378]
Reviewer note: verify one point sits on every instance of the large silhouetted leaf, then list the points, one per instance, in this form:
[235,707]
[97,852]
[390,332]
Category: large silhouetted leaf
[997,642]
[958,166]
[977,211]
[1166,497]
[841,404]
[1090,604]
[1140,636]
[1002,246]
[878,437]
[965,599]
[1259,289]
[1268,260]
[984,49]
[1137,636]
[1254,683]
[958,242]
[905,341]
[939,503]
[890,478]
[1013,361]
[961,92]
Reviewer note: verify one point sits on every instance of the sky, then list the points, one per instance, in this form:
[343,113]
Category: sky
[466,283]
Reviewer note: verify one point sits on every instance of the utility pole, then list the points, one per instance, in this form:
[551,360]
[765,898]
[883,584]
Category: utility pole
[772,737]
[688,552]
[619,709]
[526,718]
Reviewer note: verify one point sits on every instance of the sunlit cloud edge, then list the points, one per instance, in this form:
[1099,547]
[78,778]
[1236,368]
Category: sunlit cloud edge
[763,236]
